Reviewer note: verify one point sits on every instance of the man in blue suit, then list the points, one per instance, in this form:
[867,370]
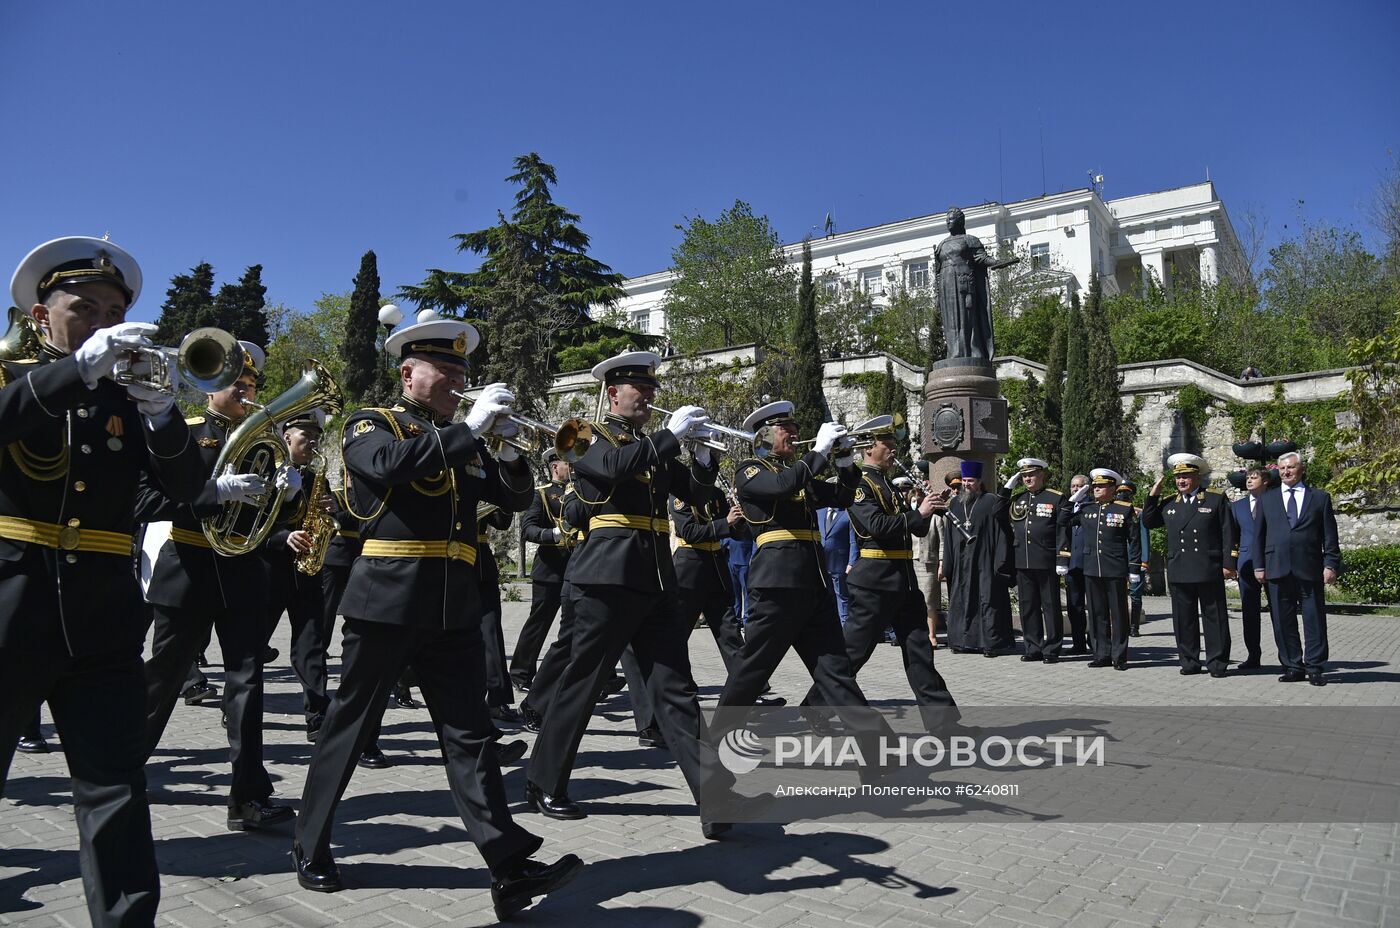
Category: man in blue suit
[1256,482]
[1296,530]
[835,526]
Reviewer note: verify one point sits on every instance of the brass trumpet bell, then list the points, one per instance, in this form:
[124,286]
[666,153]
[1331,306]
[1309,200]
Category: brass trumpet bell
[23,337]
[208,360]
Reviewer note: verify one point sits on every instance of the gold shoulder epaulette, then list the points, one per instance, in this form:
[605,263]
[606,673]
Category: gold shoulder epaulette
[1055,491]
[1119,502]
[195,420]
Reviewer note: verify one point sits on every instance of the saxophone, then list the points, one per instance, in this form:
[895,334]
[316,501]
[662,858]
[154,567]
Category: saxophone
[319,526]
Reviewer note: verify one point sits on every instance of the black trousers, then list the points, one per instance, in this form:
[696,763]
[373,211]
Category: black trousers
[1042,625]
[1195,605]
[556,659]
[1287,597]
[805,620]
[1108,614]
[178,637]
[98,708]
[451,670]
[1076,607]
[334,579]
[718,609]
[606,620]
[499,692]
[1251,594]
[301,599]
[869,612]
[544,604]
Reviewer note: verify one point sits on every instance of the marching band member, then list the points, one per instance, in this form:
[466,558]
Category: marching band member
[543,527]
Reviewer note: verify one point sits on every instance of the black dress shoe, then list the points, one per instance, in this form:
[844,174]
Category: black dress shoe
[1217,674]
[505,714]
[989,652]
[560,807]
[651,738]
[1051,659]
[518,888]
[28,744]
[258,813]
[316,875]
[713,830]
[1079,649]
[1189,671]
[200,693]
[520,687]
[1292,676]
[768,700]
[1317,679]
[1121,665]
[1100,662]
[819,722]
[530,719]
[1249,663]
[611,687]
[371,758]
[508,752]
[744,809]
[403,697]
[1027,658]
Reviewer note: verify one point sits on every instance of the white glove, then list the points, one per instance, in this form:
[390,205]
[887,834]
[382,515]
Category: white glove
[98,355]
[684,420]
[1079,494]
[1062,571]
[288,478]
[557,534]
[1134,578]
[1015,479]
[495,400]
[239,488]
[827,436]
[703,455]
[152,403]
[507,454]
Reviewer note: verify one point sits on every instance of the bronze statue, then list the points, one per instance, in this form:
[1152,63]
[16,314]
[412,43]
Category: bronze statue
[961,265]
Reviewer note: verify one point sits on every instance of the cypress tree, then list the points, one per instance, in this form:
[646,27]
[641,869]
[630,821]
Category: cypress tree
[1052,396]
[804,378]
[239,308]
[189,299]
[1114,438]
[363,364]
[1079,434]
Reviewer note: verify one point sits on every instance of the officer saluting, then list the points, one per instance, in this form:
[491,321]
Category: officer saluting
[414,479]
[1112,553]
[74,444]
[1037,540]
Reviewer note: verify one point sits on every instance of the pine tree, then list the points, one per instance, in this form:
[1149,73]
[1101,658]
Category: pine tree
[517,341]
[803,384]
[363,364]
[238,308]
[1079,434]
[189,299]
[1052,397]
[1115,433]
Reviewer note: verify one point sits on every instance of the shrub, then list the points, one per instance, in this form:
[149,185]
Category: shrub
[1372,575]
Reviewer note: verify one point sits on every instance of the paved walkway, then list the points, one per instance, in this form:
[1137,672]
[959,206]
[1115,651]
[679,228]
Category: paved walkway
[405,855]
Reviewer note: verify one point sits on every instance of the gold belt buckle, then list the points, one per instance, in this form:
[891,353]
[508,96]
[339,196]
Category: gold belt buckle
[68,538]
[452,548]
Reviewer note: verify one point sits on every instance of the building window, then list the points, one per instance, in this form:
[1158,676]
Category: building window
[641,321]
[1098,260]
[831,284]
[871,281]
[1040,256]
[916,275]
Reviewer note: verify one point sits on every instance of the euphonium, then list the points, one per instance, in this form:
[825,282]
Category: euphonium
[257,447]
[317,524]
[23,338]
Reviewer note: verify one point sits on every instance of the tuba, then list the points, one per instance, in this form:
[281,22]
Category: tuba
[257,447]
[22,339]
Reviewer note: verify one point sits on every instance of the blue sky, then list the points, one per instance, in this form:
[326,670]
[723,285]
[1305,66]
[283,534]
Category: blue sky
[299,134]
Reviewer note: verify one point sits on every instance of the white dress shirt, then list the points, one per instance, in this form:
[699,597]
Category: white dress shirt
[1299,492]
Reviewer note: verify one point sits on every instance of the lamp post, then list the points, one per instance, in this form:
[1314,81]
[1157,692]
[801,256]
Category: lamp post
[389,316]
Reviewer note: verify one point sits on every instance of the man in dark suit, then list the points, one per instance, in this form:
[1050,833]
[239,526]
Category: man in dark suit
[835,526]
[1295,532]
[1256,482]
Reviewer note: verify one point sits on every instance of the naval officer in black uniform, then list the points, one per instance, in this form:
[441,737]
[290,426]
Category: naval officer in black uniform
[1202,547]
[414,479]
[1038,541]
[1112,555]
[74,444]
[543,526]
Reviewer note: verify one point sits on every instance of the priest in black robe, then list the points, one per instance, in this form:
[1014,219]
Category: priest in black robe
[981,570]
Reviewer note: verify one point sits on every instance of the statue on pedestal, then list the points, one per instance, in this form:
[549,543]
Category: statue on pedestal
[961,265]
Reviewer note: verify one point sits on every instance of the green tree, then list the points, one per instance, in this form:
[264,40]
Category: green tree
[803,384]
[1052,415]
[1078,431]
[189,299]
[1026,332]
[733,283]
[364,365]
[238,308]
[518,343]
[296,336]
[1113,432]
[908,327]
[1370,473]
[843,319]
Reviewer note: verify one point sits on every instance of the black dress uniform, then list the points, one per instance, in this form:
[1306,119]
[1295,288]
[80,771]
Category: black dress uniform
[340,556]
[413,595]
[791,603]
[625,586]
[192,589]
[71,618]
[884,592]
[300,596]
[498,689]
[1201,535]
[573,521]
[546,577]
[1112,551]
[1038,542]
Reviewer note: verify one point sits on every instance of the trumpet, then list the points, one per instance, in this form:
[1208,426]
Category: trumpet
[861,439]
[711,430]
[208,359]
[571,437]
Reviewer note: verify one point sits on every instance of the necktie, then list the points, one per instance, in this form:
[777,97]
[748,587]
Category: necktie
[1292,506]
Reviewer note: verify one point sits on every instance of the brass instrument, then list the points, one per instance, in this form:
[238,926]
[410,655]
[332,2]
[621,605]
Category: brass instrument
[862,439]
[317,524]
[208,359]
[23,338]
[257,447]
[571,437]
[711,430]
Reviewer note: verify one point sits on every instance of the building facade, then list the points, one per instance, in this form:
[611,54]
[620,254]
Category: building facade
[1172,236]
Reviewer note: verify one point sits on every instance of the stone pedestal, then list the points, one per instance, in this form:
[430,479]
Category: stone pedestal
[964,418]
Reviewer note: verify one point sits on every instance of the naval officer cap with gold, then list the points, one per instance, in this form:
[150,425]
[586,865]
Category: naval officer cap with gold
[635,367]
[76,259]
[434,339]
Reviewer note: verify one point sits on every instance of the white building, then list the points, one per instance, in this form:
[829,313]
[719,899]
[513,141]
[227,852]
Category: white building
[1174,235]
